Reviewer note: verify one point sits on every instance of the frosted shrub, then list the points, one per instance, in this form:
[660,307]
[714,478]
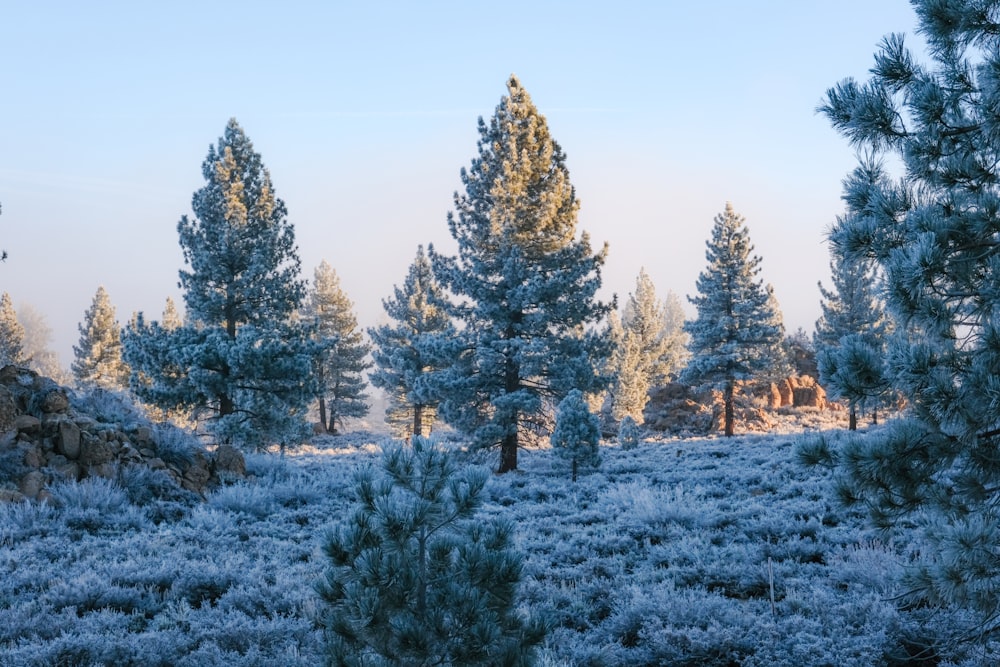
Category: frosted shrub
[414,577]
[143,485]
[577,433]
[629,433]
[97,493]
[247,498]
[175,445]
[108,406]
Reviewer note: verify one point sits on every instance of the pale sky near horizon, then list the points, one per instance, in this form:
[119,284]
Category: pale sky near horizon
[365,112]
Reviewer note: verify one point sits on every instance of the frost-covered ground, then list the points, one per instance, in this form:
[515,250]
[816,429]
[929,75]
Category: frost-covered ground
[664,556]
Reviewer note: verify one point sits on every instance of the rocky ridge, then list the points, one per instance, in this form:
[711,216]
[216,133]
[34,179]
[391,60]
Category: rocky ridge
[45,438]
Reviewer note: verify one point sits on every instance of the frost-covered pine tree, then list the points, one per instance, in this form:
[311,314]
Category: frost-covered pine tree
[659,327]
[342,358]
[524,285]
[629,379]
[629,434]
[171,318]
[417,312]
[238,361]
[738,333]
[97,358]
[577,435]
[38,353]
[650,350]
[415,578]
[850,336]
[933,234]
[11,334]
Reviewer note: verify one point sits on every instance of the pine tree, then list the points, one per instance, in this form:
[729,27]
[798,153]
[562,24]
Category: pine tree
[629,434]
[650,349]
[415,578]
[737,334]
[98,356]
[577,436]
[525,286]
[628,370]
[933,235]
[11,334]
[851,335]
[401,363]
[171,318]
[38,353]
[239,360]
[341,360]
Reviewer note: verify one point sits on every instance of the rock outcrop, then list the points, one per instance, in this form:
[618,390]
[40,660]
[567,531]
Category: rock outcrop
[681,410]
[43,438]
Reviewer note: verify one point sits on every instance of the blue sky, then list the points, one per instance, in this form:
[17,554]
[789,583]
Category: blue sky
[365,113]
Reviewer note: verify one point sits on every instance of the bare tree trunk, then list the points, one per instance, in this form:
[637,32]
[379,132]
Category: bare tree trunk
[853,419]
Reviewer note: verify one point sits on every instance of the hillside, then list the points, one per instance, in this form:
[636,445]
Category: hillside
[665,556]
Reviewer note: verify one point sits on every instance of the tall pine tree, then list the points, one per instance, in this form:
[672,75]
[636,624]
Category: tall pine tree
[98,356]
[340,361]
[238,360]
[11,334]
[850,337]
[738,333]
[525,286]
[934,236]
[401,362]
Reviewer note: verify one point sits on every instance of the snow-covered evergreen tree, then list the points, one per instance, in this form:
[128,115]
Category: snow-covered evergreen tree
[738,333]
[37,350]
[649,351]
[934,236]
[11,334]
[342,358]
[525,286]
[415,578]
[627,369]
[97,358]
[238,361]
[577,435]
[629,433]
[851,336]
[417,312]
[171,318]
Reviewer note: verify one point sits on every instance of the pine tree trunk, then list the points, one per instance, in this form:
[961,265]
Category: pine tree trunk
[730,416]
[322,414]
[512,382]
[875,417]
[418,419]
[574,469]
[853,420]
[226,406]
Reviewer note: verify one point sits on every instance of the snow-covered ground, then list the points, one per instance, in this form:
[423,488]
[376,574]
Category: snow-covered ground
[666,555]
